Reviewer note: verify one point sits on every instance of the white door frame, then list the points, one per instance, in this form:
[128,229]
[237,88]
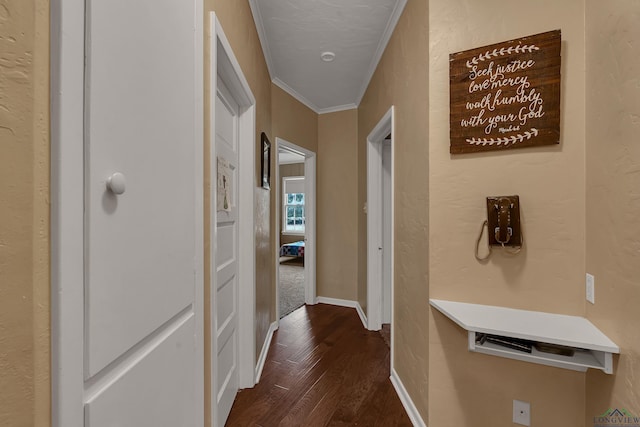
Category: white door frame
[374,220]
[387,225]
[310,222]
[225,65]
[67,211]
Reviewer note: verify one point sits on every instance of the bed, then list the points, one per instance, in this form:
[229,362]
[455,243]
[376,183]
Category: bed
[293,249]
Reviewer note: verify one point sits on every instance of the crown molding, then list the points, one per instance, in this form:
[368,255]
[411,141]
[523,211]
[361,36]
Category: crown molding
[285,87]
[337,108]
[382,45]
[257,19]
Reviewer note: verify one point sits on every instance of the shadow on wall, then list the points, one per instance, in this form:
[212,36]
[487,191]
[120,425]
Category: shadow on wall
[482,387]
[511,265]
[454,347]
[606,385]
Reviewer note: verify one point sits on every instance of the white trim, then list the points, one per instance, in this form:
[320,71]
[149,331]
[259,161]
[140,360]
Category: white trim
[374,220]
[360,311]
[393,237]
[291,150]
[337,108]
[225,65]
[345,303]
[291,91]
[247,249]
[310,226]
[289,162]
[199,207]
[229,66]
[67,211]
[310,230]
[262,35]
[382,45]
[374,235]
[285,87]
[265,350]
[408,404]
[293,233]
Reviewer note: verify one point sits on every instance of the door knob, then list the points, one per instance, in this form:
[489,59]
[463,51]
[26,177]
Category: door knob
[116,183]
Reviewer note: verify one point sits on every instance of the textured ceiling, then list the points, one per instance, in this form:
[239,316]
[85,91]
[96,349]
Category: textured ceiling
[294,33]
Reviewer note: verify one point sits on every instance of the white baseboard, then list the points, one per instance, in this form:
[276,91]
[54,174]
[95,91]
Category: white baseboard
[411,409]
[363,317]
[265,350]
[345,303]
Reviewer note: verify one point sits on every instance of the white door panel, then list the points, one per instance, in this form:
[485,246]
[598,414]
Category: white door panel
[226,293]
[225,130]
[127,266]
[141,110]
[225,242]
[140,122]
[227,384]
[225,371]
[145,395]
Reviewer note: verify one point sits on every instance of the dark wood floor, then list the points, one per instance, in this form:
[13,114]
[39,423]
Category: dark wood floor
[323,369]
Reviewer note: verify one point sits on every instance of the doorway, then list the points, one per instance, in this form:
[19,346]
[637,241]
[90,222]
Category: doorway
[295,227]
[232,160]
[380,214]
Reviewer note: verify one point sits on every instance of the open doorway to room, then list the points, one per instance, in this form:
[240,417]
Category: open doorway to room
[295,209]
[380,250]
[292,226]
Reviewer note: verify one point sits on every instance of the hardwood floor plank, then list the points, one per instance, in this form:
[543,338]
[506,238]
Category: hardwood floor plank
[357,389]
[323,369]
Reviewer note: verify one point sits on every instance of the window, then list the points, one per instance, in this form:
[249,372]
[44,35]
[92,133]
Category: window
[293,205]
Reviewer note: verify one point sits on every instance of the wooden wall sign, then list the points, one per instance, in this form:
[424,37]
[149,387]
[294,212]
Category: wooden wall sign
[506,95]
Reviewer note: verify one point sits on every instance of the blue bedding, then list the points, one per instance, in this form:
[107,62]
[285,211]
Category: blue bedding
[293,249]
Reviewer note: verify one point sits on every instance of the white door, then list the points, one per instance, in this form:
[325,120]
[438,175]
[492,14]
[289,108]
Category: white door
[141,361]
[386,231]
[225,298]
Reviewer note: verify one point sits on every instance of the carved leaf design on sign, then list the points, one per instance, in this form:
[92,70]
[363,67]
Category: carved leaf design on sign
[503,51]
[505,141]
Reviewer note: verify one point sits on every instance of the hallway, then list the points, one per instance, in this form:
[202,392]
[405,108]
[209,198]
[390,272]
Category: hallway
[323,368]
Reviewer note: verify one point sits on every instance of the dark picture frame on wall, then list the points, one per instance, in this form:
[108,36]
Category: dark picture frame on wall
[266,162]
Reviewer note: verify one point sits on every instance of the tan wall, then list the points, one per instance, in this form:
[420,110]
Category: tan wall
[468,389]
[613,205]
[24,214]
[298,124]
[293,169]
[337,205]
[465,389]
[401,80]
[237,22]
[293,121]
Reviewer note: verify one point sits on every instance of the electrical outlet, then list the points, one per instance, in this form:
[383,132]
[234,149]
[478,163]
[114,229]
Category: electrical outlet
[521,413]
[591,289]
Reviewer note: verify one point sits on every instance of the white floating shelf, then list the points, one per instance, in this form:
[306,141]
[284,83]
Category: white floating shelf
[592,348]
